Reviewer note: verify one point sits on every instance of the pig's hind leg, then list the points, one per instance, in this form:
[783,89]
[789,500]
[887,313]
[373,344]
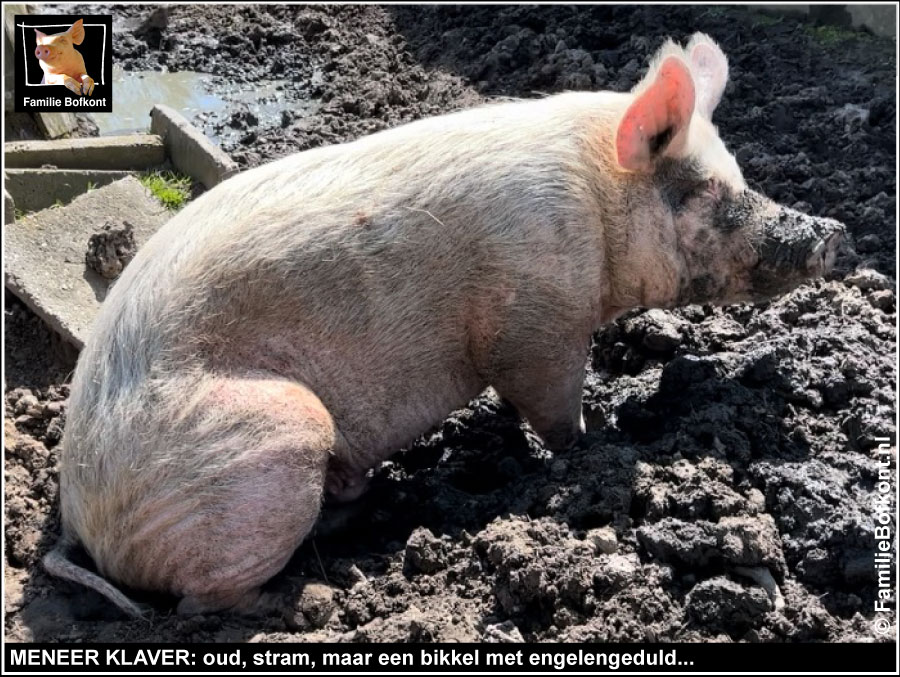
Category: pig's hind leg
[276,491]
[250,492]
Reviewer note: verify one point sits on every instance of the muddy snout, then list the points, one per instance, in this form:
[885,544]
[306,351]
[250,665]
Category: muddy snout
[824,252]
[795,247]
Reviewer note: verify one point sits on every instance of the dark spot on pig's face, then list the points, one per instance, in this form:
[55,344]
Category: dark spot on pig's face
[712,235]
[678,180]
[743,210]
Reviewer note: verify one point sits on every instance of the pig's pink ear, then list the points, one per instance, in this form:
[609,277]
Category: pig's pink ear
[710,67]
[40,36]
[656,122]
[76,32]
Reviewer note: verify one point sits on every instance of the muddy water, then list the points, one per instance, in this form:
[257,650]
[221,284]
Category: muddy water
[194,95]
[136,92]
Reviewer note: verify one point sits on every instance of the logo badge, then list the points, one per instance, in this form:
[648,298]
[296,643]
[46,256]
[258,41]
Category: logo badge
[63,63]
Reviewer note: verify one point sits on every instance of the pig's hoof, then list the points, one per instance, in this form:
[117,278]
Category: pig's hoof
[560,441]
[87,86]
[338,517]
[74,87]
[343,485]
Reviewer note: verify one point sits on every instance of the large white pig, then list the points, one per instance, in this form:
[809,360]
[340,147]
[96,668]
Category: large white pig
[304,320]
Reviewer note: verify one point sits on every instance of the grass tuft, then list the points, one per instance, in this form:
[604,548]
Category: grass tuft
[172,189]
[830,35]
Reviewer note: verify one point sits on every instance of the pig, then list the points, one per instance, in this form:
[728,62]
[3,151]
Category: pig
[299,323]
[61,62]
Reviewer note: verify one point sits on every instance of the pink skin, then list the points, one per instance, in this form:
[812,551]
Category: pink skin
[61,62]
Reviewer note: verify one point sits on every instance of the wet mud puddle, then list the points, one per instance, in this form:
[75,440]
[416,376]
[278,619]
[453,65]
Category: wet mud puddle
[197,96]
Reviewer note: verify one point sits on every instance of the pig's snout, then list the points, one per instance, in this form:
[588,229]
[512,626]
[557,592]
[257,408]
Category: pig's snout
[794,247]
[824,252]
[42,53]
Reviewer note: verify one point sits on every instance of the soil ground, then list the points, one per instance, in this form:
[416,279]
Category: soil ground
[726,445]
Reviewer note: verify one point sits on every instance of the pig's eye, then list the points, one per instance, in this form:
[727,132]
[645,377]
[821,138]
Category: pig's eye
[682,196]
[707,188]
[689,192]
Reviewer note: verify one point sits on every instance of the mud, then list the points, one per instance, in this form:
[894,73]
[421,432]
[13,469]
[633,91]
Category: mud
[110,250]
[726,488]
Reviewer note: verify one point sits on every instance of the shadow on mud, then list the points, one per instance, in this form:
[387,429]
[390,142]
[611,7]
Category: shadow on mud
[482,463]
[693,423]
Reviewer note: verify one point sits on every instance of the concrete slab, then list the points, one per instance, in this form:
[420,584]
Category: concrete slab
[55,125]
[881,19]
[9,208]
[51,125]
[189,150]
[34,189]
[45,253]
[130,151]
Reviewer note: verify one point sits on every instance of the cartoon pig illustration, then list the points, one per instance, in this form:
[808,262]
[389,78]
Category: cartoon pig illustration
[61,62]
[302,321]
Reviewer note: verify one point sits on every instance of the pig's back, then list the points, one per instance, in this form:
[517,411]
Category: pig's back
[358,269]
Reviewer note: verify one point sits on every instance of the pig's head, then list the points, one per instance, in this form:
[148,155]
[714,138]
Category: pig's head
[695,232]
[50,48]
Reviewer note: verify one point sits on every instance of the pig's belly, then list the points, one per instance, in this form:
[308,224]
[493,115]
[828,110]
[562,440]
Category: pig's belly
[380,396]
[378,416]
